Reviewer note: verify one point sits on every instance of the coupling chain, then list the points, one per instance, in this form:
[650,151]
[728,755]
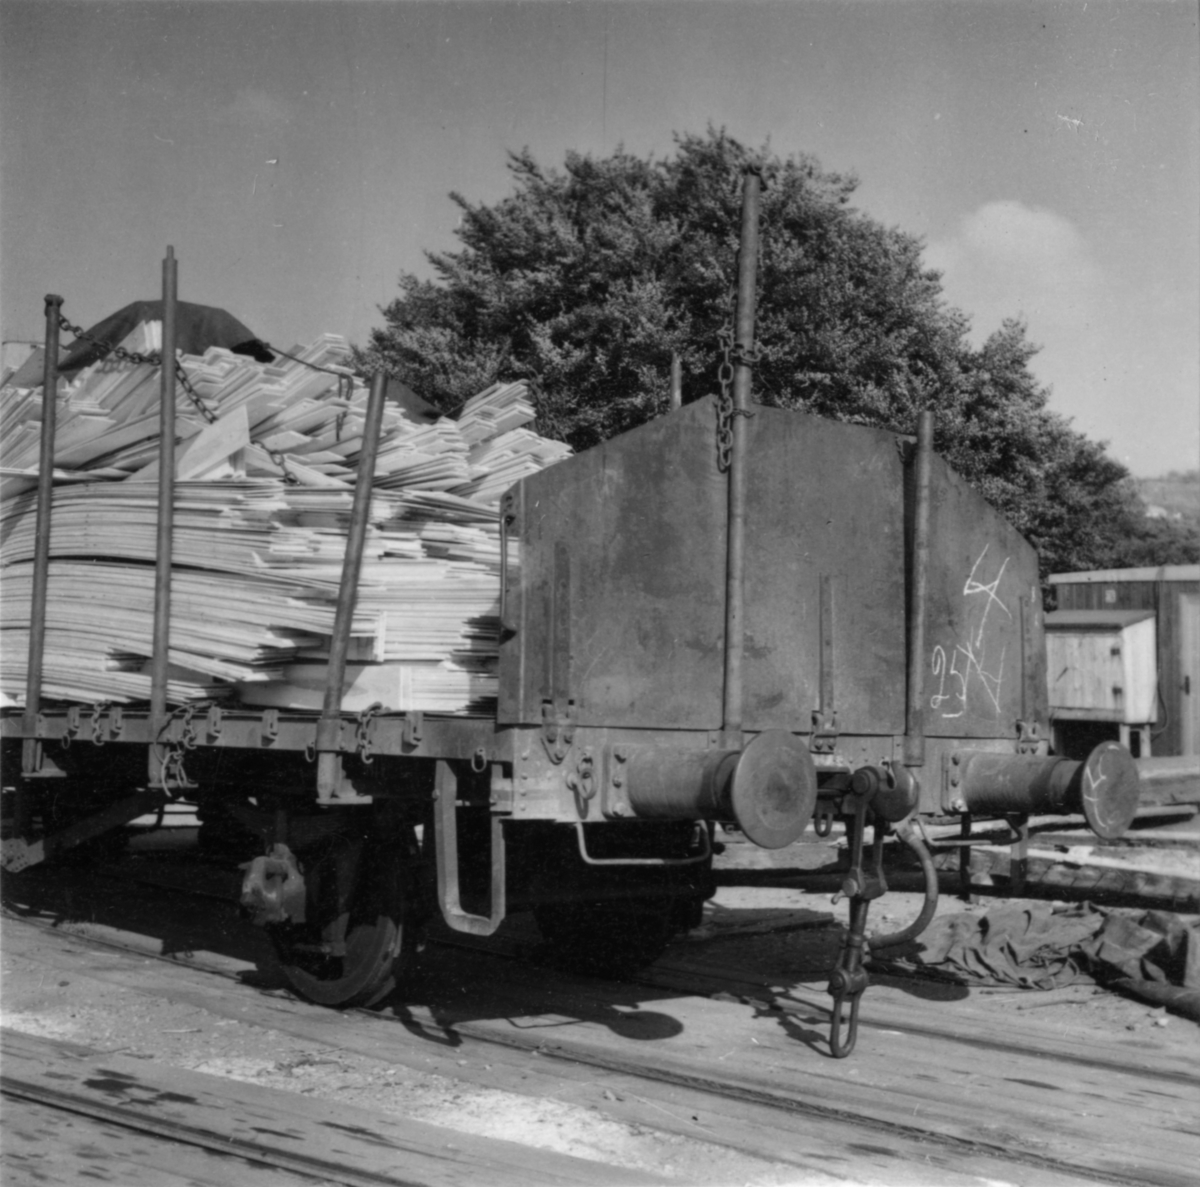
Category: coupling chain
[280,459]
[154,359]
[362,734]
[732,354]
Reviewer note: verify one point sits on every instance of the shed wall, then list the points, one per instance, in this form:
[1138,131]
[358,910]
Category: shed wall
[1163,598]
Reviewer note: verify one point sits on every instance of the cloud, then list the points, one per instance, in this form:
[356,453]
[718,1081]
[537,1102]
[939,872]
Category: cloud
[1120,362]
[1007,259]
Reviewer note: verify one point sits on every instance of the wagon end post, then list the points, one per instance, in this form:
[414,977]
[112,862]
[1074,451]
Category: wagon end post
[31,748]
[160,652]
[329,727]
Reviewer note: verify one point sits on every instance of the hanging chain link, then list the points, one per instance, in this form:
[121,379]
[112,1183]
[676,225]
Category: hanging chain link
[732,354]
[345,378]
[154,359]
[280,459]
[725,399]
[205,411]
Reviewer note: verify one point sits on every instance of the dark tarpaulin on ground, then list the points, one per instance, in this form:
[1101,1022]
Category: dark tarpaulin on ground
[197,327]
[1154,955]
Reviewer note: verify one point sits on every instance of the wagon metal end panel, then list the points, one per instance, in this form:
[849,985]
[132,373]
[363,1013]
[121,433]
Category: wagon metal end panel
[825,505]
[619,607]
[620,603]
[622,571]
[986,664]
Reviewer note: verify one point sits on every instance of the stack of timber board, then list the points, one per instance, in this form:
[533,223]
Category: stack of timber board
[265,480]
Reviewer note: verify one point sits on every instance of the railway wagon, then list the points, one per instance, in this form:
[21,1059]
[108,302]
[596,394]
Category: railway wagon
[732,614]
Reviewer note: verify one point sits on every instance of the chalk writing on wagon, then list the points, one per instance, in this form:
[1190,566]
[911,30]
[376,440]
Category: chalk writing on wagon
[968,663]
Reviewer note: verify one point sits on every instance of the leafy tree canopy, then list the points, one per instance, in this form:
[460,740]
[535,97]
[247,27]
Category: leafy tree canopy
[586,280]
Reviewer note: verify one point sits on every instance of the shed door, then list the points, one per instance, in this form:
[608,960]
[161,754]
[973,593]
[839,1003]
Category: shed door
[1189,673]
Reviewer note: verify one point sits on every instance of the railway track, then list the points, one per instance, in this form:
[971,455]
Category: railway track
[956,1094]
[163,1120]
[33,1113]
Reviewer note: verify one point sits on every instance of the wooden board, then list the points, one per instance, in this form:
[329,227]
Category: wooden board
[266,465]
[1172,779]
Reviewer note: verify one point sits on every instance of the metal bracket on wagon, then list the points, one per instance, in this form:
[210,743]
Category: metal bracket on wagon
[18,854]
[825,732]
[558,729]
[273,889]
[1031,739]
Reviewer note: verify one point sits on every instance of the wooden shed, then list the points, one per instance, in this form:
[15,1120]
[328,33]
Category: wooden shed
[1102,666]
[1172,592]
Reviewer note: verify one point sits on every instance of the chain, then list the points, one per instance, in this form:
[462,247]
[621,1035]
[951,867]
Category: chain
[725,399]
[362,736]
[731,354]
[281,461]
[126,356]
[342,373]
[154,359]
[345,383]
[205,411]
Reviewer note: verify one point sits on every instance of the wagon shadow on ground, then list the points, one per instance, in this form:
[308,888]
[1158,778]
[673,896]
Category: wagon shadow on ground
[769,960]
[127,896]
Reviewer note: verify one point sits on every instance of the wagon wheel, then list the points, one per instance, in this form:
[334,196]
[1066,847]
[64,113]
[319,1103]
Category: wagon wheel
[348,950]
[611,939]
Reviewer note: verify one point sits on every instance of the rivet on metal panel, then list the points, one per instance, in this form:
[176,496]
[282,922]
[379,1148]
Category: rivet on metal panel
[950,765]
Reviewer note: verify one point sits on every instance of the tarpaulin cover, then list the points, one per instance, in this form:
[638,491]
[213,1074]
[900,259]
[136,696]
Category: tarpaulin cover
[197,327]
[1155,954]
[415,406]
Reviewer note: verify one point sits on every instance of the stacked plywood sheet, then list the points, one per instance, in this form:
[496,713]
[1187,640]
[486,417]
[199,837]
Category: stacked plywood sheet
[266,460]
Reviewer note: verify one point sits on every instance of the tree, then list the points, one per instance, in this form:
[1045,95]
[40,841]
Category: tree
[1154,542]
[587,279]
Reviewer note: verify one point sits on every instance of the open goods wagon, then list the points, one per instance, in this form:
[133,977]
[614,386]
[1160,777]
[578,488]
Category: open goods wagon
[732,614]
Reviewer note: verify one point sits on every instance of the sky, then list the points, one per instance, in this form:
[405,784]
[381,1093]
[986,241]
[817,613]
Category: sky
[298,155]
